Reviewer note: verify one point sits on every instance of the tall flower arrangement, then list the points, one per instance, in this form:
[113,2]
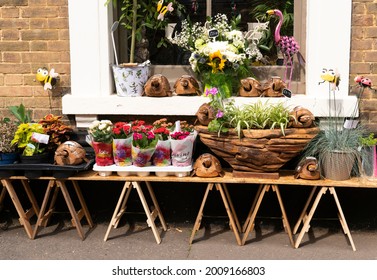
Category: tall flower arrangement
[220,52]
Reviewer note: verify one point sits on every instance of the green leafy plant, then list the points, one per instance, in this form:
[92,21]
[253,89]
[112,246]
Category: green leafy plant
[368,141]
[139,15]
[256,115]
[22,114]
[23,138]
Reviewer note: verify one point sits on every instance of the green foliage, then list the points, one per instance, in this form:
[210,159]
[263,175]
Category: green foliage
[139,15]
[21,113]
[256,115]
[368,141]
[23,136]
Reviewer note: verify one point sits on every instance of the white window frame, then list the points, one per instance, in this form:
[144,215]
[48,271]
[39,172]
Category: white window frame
[327,45]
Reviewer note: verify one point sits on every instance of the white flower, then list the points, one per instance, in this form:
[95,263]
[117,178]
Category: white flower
[94,124]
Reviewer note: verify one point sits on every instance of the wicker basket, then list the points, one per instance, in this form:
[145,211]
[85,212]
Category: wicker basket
[259,150]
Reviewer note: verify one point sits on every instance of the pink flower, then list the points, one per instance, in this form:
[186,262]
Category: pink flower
[211,91]
[137,136]
[219,114]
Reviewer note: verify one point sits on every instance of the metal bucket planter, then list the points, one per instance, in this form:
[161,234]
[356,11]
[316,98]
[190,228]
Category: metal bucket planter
[337,165]
[130,80]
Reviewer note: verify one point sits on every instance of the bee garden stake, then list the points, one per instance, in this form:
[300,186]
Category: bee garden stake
[48,80]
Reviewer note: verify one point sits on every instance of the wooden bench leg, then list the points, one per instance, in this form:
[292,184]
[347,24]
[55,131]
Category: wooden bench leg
[120,208]
[306,221]
[304,215]
[42,216]
[2,195]
[83,205]
[31,196]
[246,224]
[227,195]
[230,212]
[253,212]
[150,215]
[233,220]
[200,213]
[306,224]
[75,216]
[156,206]
[342,218]
[24,216]
[286,224]
[250,221]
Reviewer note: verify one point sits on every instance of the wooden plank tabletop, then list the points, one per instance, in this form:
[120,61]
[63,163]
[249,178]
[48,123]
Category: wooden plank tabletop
[286,178]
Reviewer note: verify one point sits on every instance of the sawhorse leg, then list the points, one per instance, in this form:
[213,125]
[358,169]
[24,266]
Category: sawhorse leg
[24,216]
[306,218]
[233,220]
[250,221]
[2,195]
[120,209]
[44,216]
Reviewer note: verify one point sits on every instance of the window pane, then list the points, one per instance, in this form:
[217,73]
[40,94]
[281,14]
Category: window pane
[196,11]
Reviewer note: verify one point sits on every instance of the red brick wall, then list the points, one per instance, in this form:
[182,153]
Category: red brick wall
[34,33]
[364,55]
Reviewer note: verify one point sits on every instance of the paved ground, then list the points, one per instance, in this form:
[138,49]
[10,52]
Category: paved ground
[325,241]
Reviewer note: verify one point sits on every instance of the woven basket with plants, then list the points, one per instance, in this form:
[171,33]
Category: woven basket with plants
[256,137]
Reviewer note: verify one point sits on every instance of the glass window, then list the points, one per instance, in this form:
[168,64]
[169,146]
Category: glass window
[197,11]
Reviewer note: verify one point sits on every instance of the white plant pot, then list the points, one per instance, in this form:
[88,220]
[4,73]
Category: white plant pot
[130,81]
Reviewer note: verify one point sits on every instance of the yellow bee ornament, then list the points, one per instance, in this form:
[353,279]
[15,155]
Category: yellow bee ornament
[332,76]
[48,80]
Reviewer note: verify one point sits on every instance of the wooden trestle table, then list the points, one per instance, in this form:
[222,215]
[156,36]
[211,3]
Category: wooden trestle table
[319,188]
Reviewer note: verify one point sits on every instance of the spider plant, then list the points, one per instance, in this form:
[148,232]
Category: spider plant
[256,115]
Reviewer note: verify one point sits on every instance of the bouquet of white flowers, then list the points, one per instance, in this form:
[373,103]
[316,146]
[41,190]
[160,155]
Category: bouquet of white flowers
[219,47]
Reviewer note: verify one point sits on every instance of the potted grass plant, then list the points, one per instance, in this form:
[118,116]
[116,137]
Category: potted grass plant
[337,145]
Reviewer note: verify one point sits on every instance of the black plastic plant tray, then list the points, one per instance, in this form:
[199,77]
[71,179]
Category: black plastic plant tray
[33,171]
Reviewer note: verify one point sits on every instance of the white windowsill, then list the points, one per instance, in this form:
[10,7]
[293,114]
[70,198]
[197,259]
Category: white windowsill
[185,105]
